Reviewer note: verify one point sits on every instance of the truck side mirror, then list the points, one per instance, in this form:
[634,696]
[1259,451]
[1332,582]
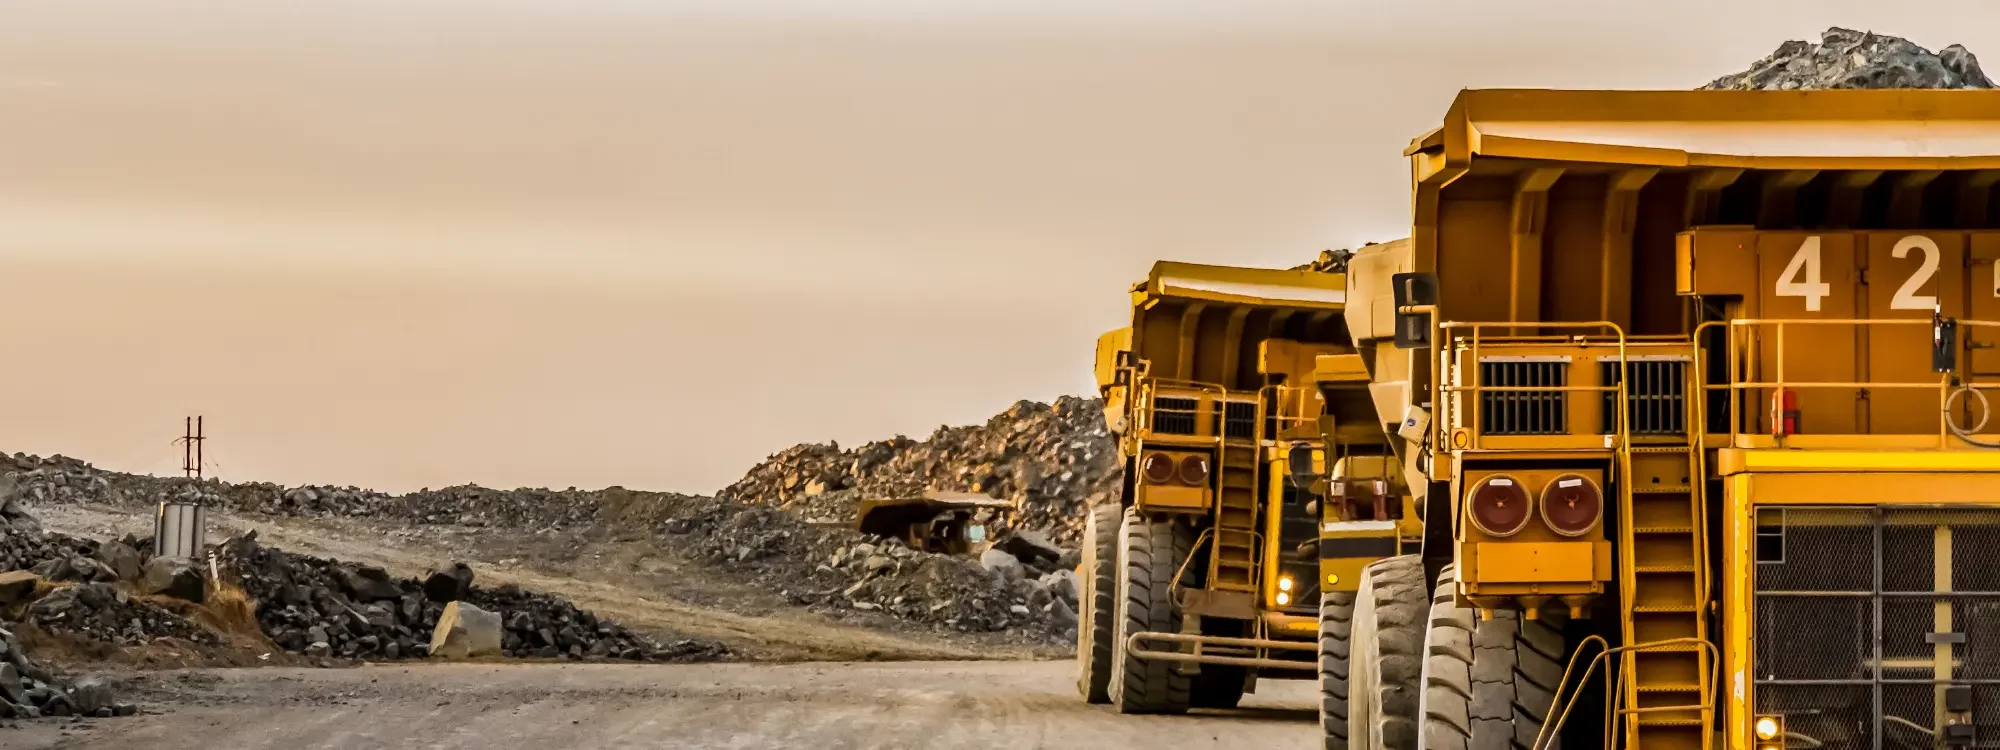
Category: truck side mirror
[1413,329]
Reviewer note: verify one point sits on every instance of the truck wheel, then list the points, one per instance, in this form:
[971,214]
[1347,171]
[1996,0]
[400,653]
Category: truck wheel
[1336,620]
[1488,684]
[1386,664]
[1217,686]
[1099,602]
[1149,553]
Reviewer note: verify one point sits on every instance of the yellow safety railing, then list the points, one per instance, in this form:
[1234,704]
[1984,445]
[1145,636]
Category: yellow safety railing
[1745,333]
[1146,405]
[1449,379]
[1614,707]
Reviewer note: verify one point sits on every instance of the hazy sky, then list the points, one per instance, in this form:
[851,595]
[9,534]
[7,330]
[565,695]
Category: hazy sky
[591,242]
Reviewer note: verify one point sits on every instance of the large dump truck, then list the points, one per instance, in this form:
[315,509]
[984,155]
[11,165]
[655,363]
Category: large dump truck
[1691,391]
[1206,576]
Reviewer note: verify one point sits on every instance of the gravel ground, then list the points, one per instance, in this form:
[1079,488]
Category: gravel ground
[1015,705]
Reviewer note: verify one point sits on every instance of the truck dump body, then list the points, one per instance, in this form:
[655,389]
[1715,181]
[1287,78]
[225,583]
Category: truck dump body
[1739,321]
[1568,206]
[1202,323]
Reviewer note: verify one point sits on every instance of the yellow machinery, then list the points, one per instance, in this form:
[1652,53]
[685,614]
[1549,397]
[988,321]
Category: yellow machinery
[945,523]
[1208,574]
[1690,388]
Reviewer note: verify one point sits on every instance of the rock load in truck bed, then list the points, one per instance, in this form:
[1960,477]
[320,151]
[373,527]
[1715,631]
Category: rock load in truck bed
[1849,59]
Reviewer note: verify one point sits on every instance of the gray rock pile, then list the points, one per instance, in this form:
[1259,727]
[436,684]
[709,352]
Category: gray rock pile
[1049,461]
[319,607]
[27,691]
[1849,59]
[760,541]
[836,568]
[104,613]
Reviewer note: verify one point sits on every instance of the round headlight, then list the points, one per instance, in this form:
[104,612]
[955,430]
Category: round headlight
[1284,598]
[1194,470]
[1499,506]
[1572,505]
[1767,728]
[1158,468]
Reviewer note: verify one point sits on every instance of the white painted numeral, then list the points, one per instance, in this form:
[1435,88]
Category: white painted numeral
[1801,276]
[1907,297]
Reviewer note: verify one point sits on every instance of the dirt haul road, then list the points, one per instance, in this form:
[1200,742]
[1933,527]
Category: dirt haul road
[1014,705]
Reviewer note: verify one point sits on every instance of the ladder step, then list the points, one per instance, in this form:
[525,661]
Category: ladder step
[1663,529]
[1668,721]
[1663,490]
[1658,448]
[1681,688]
[1678,648]
[1659,608]
[1669,568]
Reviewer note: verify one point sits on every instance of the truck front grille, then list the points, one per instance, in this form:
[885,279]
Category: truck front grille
[1863,614]
[1656,400]
[1174,416]
[1238,420]
[1507,412]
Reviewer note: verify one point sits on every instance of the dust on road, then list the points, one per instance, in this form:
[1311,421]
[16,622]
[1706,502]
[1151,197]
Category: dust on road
[1013,705]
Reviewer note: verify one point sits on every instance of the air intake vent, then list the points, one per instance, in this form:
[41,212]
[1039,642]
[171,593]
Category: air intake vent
[1656,400]
[1174,416]
[1241,421]
[1505,412]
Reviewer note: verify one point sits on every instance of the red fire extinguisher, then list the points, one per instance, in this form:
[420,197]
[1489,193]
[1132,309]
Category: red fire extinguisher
[1784,413]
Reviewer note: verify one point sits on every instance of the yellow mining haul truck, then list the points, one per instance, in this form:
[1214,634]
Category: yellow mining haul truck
[1207,576]
[1693,386]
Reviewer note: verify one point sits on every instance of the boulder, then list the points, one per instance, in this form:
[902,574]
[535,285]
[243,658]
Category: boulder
[366,584]
[1031,547]
[449,585]
[11,688]
[997,561]
[175,577]
[1063,584]
[123,560]
[466,631]
[17,586]
[90,694]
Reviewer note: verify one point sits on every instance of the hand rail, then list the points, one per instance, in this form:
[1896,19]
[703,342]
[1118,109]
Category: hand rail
[1738,363]
[1446,406]
[1614,697]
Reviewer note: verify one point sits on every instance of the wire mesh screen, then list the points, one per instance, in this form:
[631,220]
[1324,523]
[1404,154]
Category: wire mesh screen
[1865,614]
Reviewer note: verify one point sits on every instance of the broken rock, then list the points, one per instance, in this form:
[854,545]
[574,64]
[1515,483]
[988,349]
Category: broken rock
[17,585]
[1000,562]
[449,585]
[465,631]
[123,560]
[366,584]
[175,577]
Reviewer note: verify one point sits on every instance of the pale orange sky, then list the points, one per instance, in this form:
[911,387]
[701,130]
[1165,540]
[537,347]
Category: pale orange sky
[591,242]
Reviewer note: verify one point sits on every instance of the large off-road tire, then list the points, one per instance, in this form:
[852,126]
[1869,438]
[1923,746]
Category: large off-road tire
[1150,553]
[1336,623]
[1217,686]
[1099,600]
[1488,685]
[1385,663]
